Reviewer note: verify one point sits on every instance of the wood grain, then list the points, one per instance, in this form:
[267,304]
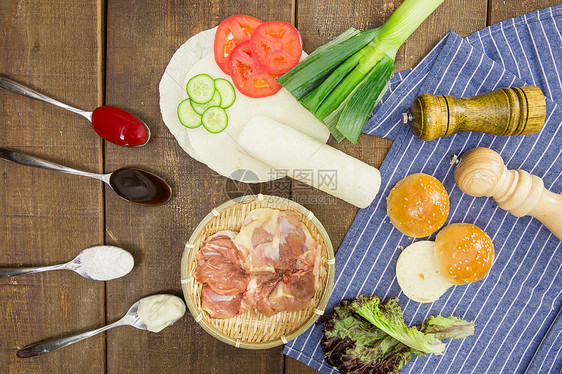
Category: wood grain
[482,172]
[46,217]
[500,10]
[57,47]
[506,111]
[141,38]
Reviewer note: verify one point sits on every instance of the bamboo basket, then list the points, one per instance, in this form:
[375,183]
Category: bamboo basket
[251,329]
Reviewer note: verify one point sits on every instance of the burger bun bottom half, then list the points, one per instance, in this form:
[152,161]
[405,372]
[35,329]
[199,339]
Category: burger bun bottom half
[418,275]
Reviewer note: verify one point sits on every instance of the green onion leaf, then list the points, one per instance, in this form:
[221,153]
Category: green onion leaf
[310,72]
[315,98]
[363,101]
[342,81]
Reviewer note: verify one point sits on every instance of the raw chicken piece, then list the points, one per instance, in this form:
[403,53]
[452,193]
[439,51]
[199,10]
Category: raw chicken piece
[257,228]
[258,291]
[309,261]
[282,259]
[221,244]
[271,265]
[294,293]
[271,239]
[220,306]
[219,265]
[276,292]
[262,259]
[290,232]
[222,276]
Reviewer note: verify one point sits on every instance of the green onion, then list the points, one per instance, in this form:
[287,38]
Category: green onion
[323,61]
[342,81]
[361,104]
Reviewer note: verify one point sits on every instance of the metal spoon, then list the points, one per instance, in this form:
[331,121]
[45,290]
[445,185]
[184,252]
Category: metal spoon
[135,185]
[75,265]
[132,318]
[104,113]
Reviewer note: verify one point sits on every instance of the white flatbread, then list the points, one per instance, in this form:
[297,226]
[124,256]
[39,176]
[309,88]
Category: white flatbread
[221,151]
[418,275]
[172,89]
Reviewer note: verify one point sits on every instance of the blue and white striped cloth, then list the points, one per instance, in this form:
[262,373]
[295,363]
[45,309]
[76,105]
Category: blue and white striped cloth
[516,308]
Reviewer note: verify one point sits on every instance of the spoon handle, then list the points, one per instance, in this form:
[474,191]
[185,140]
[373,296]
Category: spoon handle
[51,345]
[18,88]
[28,160]
[10,272]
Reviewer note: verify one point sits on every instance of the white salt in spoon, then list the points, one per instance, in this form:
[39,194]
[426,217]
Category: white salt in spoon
[102,262]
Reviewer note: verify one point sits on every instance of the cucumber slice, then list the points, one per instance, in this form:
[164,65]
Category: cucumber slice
[201,88]
[201,108]
[187,116]
[227,92]
[215,119]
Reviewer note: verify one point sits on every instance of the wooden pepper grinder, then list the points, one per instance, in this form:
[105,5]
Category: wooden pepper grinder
[507,111]
[481,172]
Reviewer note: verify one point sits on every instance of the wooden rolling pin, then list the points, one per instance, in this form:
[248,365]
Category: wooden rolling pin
[481,172]
[507,111]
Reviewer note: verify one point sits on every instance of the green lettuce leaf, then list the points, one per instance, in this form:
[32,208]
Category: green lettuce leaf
[353,345]
[367,336]
[448,327]
[389,318]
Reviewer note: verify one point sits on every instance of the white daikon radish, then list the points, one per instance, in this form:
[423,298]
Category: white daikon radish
[418,275]
[310,161]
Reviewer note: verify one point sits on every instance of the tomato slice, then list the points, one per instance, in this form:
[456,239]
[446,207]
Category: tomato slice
[231,32]
[249,76]
[277,45]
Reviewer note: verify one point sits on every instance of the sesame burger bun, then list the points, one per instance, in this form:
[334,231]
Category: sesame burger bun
[464,253]
[418,205]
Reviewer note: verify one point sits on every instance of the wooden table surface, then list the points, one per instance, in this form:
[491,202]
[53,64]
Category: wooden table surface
[92,52]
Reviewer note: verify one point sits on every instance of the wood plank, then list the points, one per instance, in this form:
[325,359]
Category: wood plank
[141,38]
[46,217]
[337,216]
[501,10]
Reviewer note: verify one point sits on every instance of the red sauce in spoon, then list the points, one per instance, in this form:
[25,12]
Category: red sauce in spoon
[118,126]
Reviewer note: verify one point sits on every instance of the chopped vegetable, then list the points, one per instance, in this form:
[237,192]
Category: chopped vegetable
[342,81]
[214,119]
[249,76]
[254,54]
[221,152]
[187,116]
[211,113]
[228,95]
[355,344]
[277,46]
[201,108]
[231,32]
[201,88]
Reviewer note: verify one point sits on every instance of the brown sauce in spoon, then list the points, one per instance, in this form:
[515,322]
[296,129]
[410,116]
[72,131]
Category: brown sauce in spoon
[139,186]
